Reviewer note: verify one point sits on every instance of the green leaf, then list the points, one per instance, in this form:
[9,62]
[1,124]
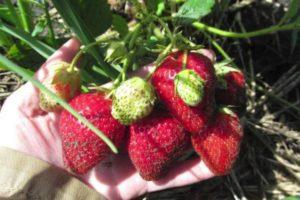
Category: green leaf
[96,14]
[5,40]
[40,47]
[294,9]
[120,25]
[13,13]
[292,198]
[193,10]
[25,14]
[4,62]
[39,27]
[5,14]
[67,10]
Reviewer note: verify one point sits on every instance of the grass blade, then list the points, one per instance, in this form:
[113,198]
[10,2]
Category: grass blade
[25,15]
[13,13]
[292,11]
[20,71]
[49,23]
[40,47]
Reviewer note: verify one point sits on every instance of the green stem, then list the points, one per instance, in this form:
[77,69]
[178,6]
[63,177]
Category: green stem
[49,23]
[165,26]
[133,35]
[13,67]
[122,75]
[160,59]
[13,13]
[203,27]
[218,47]
[25,15]
[99,40]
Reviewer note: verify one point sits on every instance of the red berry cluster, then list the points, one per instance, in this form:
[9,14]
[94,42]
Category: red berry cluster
[157,141]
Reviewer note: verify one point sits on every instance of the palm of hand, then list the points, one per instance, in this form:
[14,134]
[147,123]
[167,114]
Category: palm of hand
[28,129]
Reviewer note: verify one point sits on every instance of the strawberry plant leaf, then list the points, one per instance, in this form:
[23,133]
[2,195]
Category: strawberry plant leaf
[193,10]
[120,25]
[96,15]
[294,8]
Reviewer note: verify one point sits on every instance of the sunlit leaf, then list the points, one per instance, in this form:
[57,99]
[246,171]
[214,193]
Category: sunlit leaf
[193,10]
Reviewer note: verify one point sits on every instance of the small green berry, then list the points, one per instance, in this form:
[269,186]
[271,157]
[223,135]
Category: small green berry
[134,99]
[189,86]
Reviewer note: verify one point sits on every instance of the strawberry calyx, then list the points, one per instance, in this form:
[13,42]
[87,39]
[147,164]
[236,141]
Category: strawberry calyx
[223,68]
[189,86]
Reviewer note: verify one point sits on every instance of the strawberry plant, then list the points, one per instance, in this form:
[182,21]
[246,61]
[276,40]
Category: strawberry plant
[207,84]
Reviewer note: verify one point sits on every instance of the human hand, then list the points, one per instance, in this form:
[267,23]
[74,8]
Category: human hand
[30,130]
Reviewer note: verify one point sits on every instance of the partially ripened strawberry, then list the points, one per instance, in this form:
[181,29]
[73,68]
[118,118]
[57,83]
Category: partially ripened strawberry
[134,99]
[231,87]
[82,148]
[155,143]
[194,118]
[219,144]
[61,80]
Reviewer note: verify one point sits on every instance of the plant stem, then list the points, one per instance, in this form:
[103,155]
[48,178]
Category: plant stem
[49,23]
[203,27]
[160,59]
[165,26]
[99,40]
[13,67]
[218,47]
[13,13]
[133,35]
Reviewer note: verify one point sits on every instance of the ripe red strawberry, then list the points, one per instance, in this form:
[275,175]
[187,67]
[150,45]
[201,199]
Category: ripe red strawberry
[155,143]
[82,148]
[219,144]
[231,88]
[193,118]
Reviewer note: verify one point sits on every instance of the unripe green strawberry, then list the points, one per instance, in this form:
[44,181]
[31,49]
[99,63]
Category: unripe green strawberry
[189,86]
[134,99]
[61,80]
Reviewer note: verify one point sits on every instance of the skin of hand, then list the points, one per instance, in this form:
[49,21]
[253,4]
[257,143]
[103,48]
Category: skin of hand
[28,129]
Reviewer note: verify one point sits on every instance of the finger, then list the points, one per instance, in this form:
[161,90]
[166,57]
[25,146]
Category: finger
[189,172]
